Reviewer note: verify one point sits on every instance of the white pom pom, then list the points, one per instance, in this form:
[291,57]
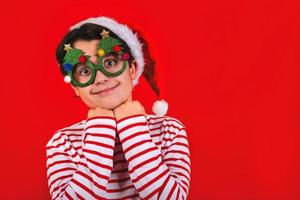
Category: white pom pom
[67,79]
[160,107]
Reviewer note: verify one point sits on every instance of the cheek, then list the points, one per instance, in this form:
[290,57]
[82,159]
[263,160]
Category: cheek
[123,92]
[126,85]
[86,97]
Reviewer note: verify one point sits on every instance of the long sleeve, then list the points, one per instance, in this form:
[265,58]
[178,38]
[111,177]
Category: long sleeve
[81,173]
[156,175]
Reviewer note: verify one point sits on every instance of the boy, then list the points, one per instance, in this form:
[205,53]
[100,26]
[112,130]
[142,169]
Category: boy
[119,151]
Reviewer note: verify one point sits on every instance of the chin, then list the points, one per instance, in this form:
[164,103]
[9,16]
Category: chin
[109,105]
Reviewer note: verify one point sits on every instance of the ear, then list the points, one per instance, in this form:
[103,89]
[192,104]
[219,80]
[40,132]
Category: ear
[132,70]
[75,90]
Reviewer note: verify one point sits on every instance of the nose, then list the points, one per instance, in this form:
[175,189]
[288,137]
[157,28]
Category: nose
[100,78]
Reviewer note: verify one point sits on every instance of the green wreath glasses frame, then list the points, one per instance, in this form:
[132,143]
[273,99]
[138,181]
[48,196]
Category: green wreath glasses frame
[84,74]
[112,61]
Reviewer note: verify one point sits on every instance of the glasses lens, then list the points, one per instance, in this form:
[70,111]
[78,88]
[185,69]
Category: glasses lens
[82,73]
[112,63]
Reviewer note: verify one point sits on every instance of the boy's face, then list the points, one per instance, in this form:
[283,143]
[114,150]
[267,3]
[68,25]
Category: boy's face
[105,92]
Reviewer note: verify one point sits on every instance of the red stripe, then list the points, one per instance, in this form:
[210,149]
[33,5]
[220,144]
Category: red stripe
[175,175]
[152,193]
[97,153]
[162,133]
[178,166]
[58,137]
[86,189]
[154,129]
[68,196]
[176,159]
[176,143]
[59,186]
[174,126]
[67,135]
[178,174]
[75,134]
[56,146]
[60,170]
[141,153]
[59,162]
[56,154]
[162,188]
[156,117]
[177,136]
[177,151]
[91,180]
[75,140]
[100,126]
[170,126]
[133,135]
[125,118]
[118,180]
[132,125]
[180,183]
[99,164]
[146,173]
[63,188]
[172,190]
[153,180]
[79,196]
[99,175]
[144,163]
[100,144]
[178,192]
[173,120]
[94,172]
[155,123]
[99,135]
[69,153]
[120,189]
[137,144]
[71,129]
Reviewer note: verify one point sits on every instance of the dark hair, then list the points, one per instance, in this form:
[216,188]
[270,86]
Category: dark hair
[90,32]
[86,32]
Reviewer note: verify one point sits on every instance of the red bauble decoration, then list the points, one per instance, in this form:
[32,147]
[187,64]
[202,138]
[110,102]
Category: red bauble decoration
[117,48]
[82,59]
[125,56]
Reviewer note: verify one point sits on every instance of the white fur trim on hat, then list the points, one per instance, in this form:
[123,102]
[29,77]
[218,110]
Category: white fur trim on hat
[126,34]
[160,107]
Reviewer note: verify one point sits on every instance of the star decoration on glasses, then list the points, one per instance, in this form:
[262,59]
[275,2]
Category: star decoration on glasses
[104,34]
[67,47]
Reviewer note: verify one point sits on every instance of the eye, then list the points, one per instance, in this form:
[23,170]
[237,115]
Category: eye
[110,62]
[84,70]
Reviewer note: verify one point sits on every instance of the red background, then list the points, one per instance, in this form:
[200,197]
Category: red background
[229,70]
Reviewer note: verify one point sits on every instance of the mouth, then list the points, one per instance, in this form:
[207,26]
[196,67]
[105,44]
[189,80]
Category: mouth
[106,91]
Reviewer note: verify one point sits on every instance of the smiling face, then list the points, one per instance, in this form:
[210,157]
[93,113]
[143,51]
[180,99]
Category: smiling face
[105,92]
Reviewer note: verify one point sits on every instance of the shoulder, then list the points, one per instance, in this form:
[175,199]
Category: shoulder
[63,134]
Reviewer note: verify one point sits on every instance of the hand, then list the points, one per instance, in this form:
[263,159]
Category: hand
[129,108]
[98,111]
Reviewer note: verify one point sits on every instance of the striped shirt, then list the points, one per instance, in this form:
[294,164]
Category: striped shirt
[137,157]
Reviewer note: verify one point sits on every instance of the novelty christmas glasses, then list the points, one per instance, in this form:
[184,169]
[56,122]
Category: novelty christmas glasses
[112,61]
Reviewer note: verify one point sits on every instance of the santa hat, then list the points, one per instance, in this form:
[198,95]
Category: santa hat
[140,54]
